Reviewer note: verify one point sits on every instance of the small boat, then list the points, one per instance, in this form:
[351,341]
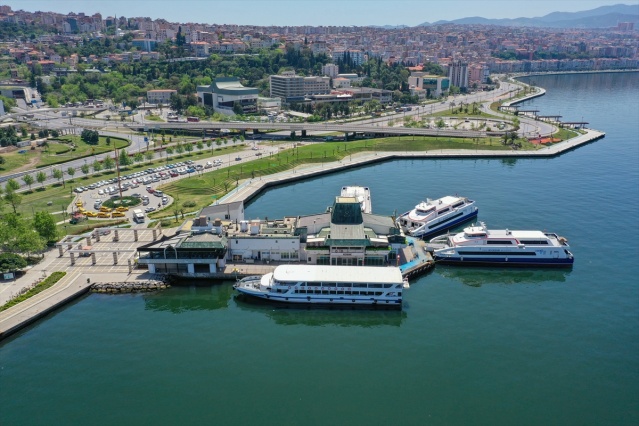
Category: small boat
[327,285]
[477,245]
[432,217]
[363,195]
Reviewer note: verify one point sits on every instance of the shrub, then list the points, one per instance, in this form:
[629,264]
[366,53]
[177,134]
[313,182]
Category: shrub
[188,204]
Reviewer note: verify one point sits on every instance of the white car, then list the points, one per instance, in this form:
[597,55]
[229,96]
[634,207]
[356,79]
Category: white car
[100,191]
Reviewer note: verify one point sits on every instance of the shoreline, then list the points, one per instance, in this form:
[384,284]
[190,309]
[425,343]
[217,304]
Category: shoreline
[251,188]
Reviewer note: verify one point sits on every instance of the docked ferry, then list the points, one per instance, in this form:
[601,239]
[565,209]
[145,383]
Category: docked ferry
[432,217]
[477,245]
[327,285]
[363,195]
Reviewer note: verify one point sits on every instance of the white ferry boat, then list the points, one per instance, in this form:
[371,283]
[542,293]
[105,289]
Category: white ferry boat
[477,245]
[328,285]
[431,217]
[363,195]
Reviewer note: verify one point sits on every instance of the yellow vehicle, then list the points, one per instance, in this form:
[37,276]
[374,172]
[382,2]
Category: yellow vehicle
[103,215]
[91,214]
[122,209]
[117,214]
[82,210]
[105,209]
[79,204]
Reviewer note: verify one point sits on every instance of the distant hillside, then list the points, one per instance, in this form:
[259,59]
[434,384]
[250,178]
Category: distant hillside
[601,17]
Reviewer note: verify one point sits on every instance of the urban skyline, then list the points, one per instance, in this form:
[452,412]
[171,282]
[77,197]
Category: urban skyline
[324,13]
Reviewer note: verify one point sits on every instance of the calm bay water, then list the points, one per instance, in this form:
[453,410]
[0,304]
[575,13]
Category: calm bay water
[472,346]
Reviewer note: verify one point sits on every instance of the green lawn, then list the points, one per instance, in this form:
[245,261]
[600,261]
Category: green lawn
[206,188]
[58,151]
[61,150]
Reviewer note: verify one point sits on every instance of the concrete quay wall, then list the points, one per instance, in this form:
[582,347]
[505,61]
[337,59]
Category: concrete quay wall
[251,188]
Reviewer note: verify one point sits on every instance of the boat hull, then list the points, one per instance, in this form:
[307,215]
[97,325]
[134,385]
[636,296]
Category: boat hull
[503,261]
[324,301]
[445,226]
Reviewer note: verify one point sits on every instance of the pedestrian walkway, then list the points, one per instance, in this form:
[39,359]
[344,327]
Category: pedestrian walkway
[251,187]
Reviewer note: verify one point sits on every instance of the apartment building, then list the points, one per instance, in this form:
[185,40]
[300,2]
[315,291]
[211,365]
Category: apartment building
[290,86]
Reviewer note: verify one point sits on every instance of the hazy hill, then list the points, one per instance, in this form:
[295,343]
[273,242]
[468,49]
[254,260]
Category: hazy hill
[601,17]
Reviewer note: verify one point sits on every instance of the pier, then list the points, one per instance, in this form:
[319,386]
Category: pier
[111,260]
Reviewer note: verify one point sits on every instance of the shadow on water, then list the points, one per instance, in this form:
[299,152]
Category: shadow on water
[319,317]
[182,299]
[478,276]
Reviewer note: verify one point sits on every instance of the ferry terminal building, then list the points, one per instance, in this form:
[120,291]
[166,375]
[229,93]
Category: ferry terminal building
[343,235]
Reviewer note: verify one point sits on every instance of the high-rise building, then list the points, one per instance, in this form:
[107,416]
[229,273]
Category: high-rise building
[458,74]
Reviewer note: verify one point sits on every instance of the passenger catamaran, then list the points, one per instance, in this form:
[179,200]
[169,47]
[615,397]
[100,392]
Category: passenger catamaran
[431,217]
[477,245]
[327,285]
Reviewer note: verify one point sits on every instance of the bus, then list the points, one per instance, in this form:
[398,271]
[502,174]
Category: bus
[193,119]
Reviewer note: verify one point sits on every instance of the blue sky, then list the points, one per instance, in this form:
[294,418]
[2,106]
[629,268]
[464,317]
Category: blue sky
[314,12]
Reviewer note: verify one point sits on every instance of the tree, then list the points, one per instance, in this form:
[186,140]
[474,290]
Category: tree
[10,262]
[41,177]
[28,180]
[108,163]
[97,166]
[189,147]
[45,226]
[199,146]
[124,158]
[18,236]
[149,156]
[84,169]
[12,185]
[12,198]
[57,174]
[138,158]
[71,171]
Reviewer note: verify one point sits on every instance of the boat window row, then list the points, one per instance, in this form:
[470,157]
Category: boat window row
[534,242]
[496,253]
[349,292]
[342,285]
[461,203]
[499,242]
[443,211]
[448,219]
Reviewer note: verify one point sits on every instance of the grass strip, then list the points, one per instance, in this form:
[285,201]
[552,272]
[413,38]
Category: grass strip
[38,288]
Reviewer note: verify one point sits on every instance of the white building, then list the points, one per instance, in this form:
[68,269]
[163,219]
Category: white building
[227,93]
[330,70]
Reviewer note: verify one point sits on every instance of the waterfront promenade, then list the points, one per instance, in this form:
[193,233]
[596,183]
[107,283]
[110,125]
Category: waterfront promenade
[82,273]
[252,187]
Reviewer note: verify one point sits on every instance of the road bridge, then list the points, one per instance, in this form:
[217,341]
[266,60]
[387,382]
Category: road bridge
[310,127]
